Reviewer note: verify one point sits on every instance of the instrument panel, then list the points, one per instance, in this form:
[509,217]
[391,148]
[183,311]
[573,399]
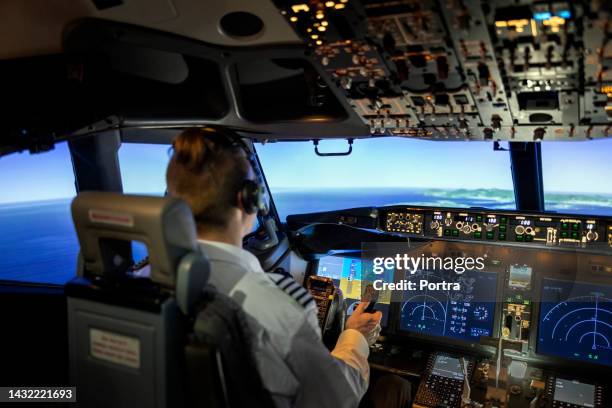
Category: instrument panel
[550,305]
[555,230]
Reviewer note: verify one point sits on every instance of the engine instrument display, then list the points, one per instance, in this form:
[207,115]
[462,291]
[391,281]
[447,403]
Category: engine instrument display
[520,277]
[465,315]
[576,321]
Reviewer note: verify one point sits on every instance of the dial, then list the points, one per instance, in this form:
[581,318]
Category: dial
[481,313]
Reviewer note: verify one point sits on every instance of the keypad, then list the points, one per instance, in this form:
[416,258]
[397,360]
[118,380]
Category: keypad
[440,391]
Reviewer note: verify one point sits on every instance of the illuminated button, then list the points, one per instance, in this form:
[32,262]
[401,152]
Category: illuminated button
[564,234]
[478,234]
[564,225]
[455,233]
[503,220]
[490,235]
[447,232]
[479,218]
[575,227]
[502,228]
[528,238]
[574,235]
[502,236]
[520,238]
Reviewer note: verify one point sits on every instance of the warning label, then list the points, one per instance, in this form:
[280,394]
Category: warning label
[112,218]
[115,348]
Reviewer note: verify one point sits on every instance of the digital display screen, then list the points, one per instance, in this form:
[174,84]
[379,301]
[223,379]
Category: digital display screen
[465,314]
[438,217]
[448,367]
[576,321]
[574,392]
[465,218]
[520,276]
[525,222]
[346,272]
[491,220]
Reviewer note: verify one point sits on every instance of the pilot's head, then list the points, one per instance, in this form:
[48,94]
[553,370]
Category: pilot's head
[209,169]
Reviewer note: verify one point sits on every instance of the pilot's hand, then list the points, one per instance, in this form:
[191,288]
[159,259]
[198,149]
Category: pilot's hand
[367,324]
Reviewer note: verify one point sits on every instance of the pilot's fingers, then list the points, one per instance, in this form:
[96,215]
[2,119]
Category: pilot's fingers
[378,316]
[361,307]
[373,318]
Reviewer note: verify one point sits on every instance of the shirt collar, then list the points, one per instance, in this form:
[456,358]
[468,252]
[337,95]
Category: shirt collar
[234,253]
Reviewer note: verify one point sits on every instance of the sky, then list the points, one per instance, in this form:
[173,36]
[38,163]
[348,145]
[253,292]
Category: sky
[383,162]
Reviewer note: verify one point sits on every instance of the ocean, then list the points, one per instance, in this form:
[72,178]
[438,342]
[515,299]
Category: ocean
[38,242]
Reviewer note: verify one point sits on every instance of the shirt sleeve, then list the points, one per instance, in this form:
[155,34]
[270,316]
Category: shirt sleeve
[329,380]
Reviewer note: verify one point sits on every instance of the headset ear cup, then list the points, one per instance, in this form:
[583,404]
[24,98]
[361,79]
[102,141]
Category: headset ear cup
[251,197]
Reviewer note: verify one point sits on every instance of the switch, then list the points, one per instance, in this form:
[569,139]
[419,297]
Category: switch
[483,74]
[442,67]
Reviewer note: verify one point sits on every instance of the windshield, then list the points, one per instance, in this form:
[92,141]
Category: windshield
[386,171]
[577,176]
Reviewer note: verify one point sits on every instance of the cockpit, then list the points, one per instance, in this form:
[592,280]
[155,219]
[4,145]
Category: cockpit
[447,161]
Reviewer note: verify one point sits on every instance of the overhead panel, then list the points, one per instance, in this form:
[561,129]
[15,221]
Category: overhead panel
[466,70]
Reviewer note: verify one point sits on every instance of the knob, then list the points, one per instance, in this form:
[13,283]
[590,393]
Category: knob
[434,225]
[467,229]
[520,230]
[592,236]
[448,222]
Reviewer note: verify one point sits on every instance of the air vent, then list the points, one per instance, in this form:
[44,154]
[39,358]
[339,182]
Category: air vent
[241,24]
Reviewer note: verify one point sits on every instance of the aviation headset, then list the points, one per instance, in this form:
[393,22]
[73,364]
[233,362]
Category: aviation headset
[252,191]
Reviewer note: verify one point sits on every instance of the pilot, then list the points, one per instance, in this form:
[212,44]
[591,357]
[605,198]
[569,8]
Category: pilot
[210,169]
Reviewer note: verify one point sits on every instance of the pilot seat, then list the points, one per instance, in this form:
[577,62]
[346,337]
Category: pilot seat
[162,340]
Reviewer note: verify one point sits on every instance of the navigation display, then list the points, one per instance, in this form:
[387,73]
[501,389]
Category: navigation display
[576,321]
[449,367]
[574,392]
[466,314]
[346,272]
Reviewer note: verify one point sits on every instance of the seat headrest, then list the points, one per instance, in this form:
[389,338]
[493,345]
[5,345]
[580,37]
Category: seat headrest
[107,222]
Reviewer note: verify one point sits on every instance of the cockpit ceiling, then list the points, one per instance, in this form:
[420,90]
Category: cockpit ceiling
[35,27]
[427,69]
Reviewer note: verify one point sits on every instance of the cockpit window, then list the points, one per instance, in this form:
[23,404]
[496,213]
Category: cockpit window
[576,177]
[38,242]
[143,168]
[386,171]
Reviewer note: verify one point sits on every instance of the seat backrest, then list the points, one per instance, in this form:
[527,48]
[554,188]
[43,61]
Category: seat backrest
[127,334]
